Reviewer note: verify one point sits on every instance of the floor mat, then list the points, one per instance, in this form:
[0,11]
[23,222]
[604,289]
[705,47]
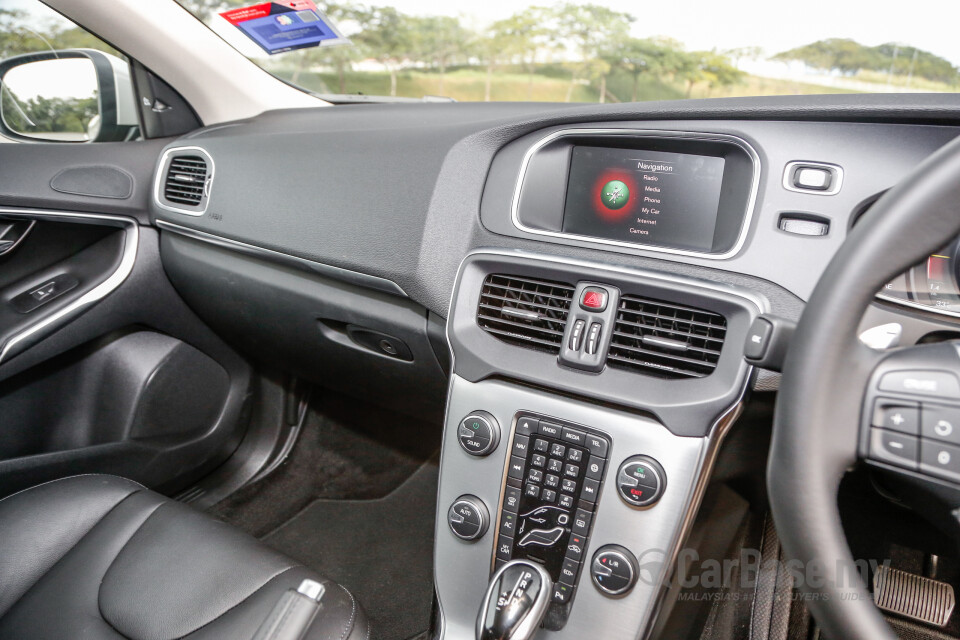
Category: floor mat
[381,550]
[347,450]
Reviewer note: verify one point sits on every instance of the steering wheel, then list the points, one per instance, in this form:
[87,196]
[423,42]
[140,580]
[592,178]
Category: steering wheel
[830,379]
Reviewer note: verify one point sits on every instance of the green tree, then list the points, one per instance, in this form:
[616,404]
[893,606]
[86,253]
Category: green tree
[387,37]
[521,36]
[18,34]
[14,37]
[438,40]
[644,56]
[586,28]
[707,66]
[743,53]
[840,54]
[719,71]
[49,115]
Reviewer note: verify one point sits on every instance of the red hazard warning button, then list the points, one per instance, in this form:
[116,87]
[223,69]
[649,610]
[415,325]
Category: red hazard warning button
[593,299]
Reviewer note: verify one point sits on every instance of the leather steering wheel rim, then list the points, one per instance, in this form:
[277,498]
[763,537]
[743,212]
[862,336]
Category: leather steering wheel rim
[825,376]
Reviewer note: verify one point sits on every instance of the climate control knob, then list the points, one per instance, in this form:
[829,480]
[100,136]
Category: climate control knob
[614,570]
[641,481]
[468,518]
[479,433]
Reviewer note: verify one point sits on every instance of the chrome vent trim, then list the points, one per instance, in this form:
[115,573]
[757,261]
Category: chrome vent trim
[184,180]
[527,312]
[666,339]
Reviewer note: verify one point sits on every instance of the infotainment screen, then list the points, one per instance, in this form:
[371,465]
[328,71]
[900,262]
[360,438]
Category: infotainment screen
[644,197]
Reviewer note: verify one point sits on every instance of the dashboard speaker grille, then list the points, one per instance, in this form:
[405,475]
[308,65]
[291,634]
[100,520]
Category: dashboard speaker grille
[525,311]
[665,339]
[186,180]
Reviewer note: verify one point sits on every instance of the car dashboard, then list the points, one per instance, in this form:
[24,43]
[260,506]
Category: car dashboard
[567,288]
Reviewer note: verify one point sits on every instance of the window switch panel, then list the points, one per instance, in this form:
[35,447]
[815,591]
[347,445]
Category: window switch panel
[39,295]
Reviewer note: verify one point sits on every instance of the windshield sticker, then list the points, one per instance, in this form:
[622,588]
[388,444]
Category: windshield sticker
[284,26]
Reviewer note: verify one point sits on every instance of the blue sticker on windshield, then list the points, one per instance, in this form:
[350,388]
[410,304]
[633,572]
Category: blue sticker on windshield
[283,26]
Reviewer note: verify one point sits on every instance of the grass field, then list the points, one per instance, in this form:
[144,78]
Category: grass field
[549,84]
[882,79]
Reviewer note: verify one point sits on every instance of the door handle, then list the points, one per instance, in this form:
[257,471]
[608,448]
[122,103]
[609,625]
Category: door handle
[12,233]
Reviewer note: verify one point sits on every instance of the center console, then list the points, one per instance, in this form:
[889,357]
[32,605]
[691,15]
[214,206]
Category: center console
[585,408]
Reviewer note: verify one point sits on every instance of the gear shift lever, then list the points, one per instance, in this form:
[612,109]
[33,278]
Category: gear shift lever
[515,602]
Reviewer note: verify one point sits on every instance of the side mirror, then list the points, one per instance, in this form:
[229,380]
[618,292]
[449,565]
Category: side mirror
[73,95]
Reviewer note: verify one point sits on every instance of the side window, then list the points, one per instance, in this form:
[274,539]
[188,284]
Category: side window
[60,83]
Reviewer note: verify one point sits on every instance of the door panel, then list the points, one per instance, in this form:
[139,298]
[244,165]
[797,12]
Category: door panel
[47,298]
[117,374]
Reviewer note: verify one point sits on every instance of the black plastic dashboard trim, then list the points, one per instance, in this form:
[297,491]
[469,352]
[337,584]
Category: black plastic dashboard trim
[336,273]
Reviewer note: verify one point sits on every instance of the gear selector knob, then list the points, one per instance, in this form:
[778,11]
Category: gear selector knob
[515,602]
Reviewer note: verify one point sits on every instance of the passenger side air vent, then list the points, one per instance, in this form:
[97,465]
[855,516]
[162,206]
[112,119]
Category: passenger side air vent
[187,175]
[525,311]
[666,340]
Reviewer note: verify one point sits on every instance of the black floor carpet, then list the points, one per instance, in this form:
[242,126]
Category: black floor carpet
[381,550]
[355,501]
[347,450]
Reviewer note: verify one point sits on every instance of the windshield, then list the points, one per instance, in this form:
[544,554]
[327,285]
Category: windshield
[608,51]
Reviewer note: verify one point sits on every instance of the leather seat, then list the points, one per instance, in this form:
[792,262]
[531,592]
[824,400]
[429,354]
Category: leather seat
[100,557]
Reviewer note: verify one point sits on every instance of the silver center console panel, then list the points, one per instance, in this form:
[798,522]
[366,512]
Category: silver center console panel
[676,421]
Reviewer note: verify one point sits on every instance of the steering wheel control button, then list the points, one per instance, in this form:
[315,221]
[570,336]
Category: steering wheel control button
[897,415]
[614,570]
[468,518]
[594,299]
[479,433]
[938,384]
[940,423]
[893,447]
[758,339]
[940,460]
[641,481]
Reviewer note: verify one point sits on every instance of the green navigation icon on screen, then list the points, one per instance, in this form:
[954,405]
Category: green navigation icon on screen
[615,194]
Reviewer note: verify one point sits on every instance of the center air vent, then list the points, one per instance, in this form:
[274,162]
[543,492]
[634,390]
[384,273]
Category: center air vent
[666,340]
[525,311]
[186,181]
